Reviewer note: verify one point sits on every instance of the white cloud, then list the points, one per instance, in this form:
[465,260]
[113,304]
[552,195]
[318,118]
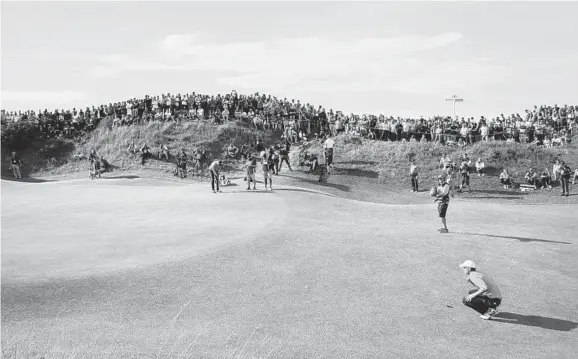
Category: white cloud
[21,99]
[315,64]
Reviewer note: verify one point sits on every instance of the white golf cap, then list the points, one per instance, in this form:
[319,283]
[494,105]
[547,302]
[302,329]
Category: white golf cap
[468,264]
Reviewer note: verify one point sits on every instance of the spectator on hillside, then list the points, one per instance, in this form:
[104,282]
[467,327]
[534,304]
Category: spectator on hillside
[284,157]
[556,171]
[164,152]
[465,176]
[480,166]
[531,178]
[15,165]
[545,179]
[505,179]
[232,151]
[413,174]
[328,149]
[565,173]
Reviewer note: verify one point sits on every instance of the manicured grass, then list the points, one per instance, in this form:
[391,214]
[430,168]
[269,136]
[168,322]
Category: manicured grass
[136,268]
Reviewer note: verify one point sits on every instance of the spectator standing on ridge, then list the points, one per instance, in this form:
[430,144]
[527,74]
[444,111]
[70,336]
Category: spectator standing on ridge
[413,173]
[328,149]
[565,173]
[215,169]
[485,298]
[556,171]
[465,175]
[15,164]
[284,157]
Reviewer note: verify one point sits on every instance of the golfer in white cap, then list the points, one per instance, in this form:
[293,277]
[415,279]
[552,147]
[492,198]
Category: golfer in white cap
[485,297]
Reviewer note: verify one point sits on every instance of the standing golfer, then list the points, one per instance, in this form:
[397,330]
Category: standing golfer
[443,199]
[485,298]
[413,175]
[215,169]
[267,164]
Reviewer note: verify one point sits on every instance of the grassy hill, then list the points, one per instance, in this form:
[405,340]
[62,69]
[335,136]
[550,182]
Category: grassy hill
[55,157]
[360,164]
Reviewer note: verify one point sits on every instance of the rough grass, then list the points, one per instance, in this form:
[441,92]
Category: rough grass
[391,160]
[112,144]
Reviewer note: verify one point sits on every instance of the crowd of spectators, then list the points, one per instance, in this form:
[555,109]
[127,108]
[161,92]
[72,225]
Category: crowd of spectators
[544,125]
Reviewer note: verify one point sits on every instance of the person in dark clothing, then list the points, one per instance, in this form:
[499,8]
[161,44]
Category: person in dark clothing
[284,157]
[15,164]
[565,174]
[485,298]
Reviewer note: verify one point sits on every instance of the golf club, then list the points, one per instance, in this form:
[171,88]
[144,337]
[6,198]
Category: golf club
[459,294]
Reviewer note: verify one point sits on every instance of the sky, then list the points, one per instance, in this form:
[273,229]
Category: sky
[392,58]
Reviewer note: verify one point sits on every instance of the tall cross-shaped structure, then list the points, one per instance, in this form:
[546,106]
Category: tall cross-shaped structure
[454,99]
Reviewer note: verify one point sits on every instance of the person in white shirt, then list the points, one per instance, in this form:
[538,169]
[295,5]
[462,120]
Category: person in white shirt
[215,169]
[480,165]
[328,149]
[267,165]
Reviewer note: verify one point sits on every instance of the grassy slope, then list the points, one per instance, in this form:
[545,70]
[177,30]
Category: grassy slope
[362,166]
[383,167]
[113,145]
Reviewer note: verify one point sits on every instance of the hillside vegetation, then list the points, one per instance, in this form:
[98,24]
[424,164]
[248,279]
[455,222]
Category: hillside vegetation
[49,157]
[388,162]
[357,160]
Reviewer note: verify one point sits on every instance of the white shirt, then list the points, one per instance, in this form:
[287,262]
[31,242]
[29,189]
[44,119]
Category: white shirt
[329,143]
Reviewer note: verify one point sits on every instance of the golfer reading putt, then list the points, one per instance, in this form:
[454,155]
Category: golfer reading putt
[485,298]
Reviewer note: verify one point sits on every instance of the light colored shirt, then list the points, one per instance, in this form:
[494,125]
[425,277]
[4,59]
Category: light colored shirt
[480,280]
[329,143]
[215,166]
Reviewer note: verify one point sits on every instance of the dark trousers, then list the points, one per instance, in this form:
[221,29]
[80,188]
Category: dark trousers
[414,183]
[481,304]
[286,160]
[214,179]
[545,182]
[565,184]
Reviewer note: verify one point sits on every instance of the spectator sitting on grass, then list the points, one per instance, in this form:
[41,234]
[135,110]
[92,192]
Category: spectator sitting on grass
[232,151]
[545,179]
[532,178]
[480,166]
[505,179]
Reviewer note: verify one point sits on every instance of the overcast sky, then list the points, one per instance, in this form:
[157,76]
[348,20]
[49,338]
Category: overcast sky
[399,59]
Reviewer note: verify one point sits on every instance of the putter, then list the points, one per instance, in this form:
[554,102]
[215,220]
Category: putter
[461,289]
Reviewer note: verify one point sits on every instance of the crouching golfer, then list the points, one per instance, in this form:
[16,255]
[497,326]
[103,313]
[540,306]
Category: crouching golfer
[215,169]
[486,297]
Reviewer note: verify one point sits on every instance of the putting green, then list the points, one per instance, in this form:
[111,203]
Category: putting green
[143,268]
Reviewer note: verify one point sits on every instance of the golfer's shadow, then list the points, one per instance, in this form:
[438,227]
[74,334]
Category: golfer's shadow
[521,239]
[535,321]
